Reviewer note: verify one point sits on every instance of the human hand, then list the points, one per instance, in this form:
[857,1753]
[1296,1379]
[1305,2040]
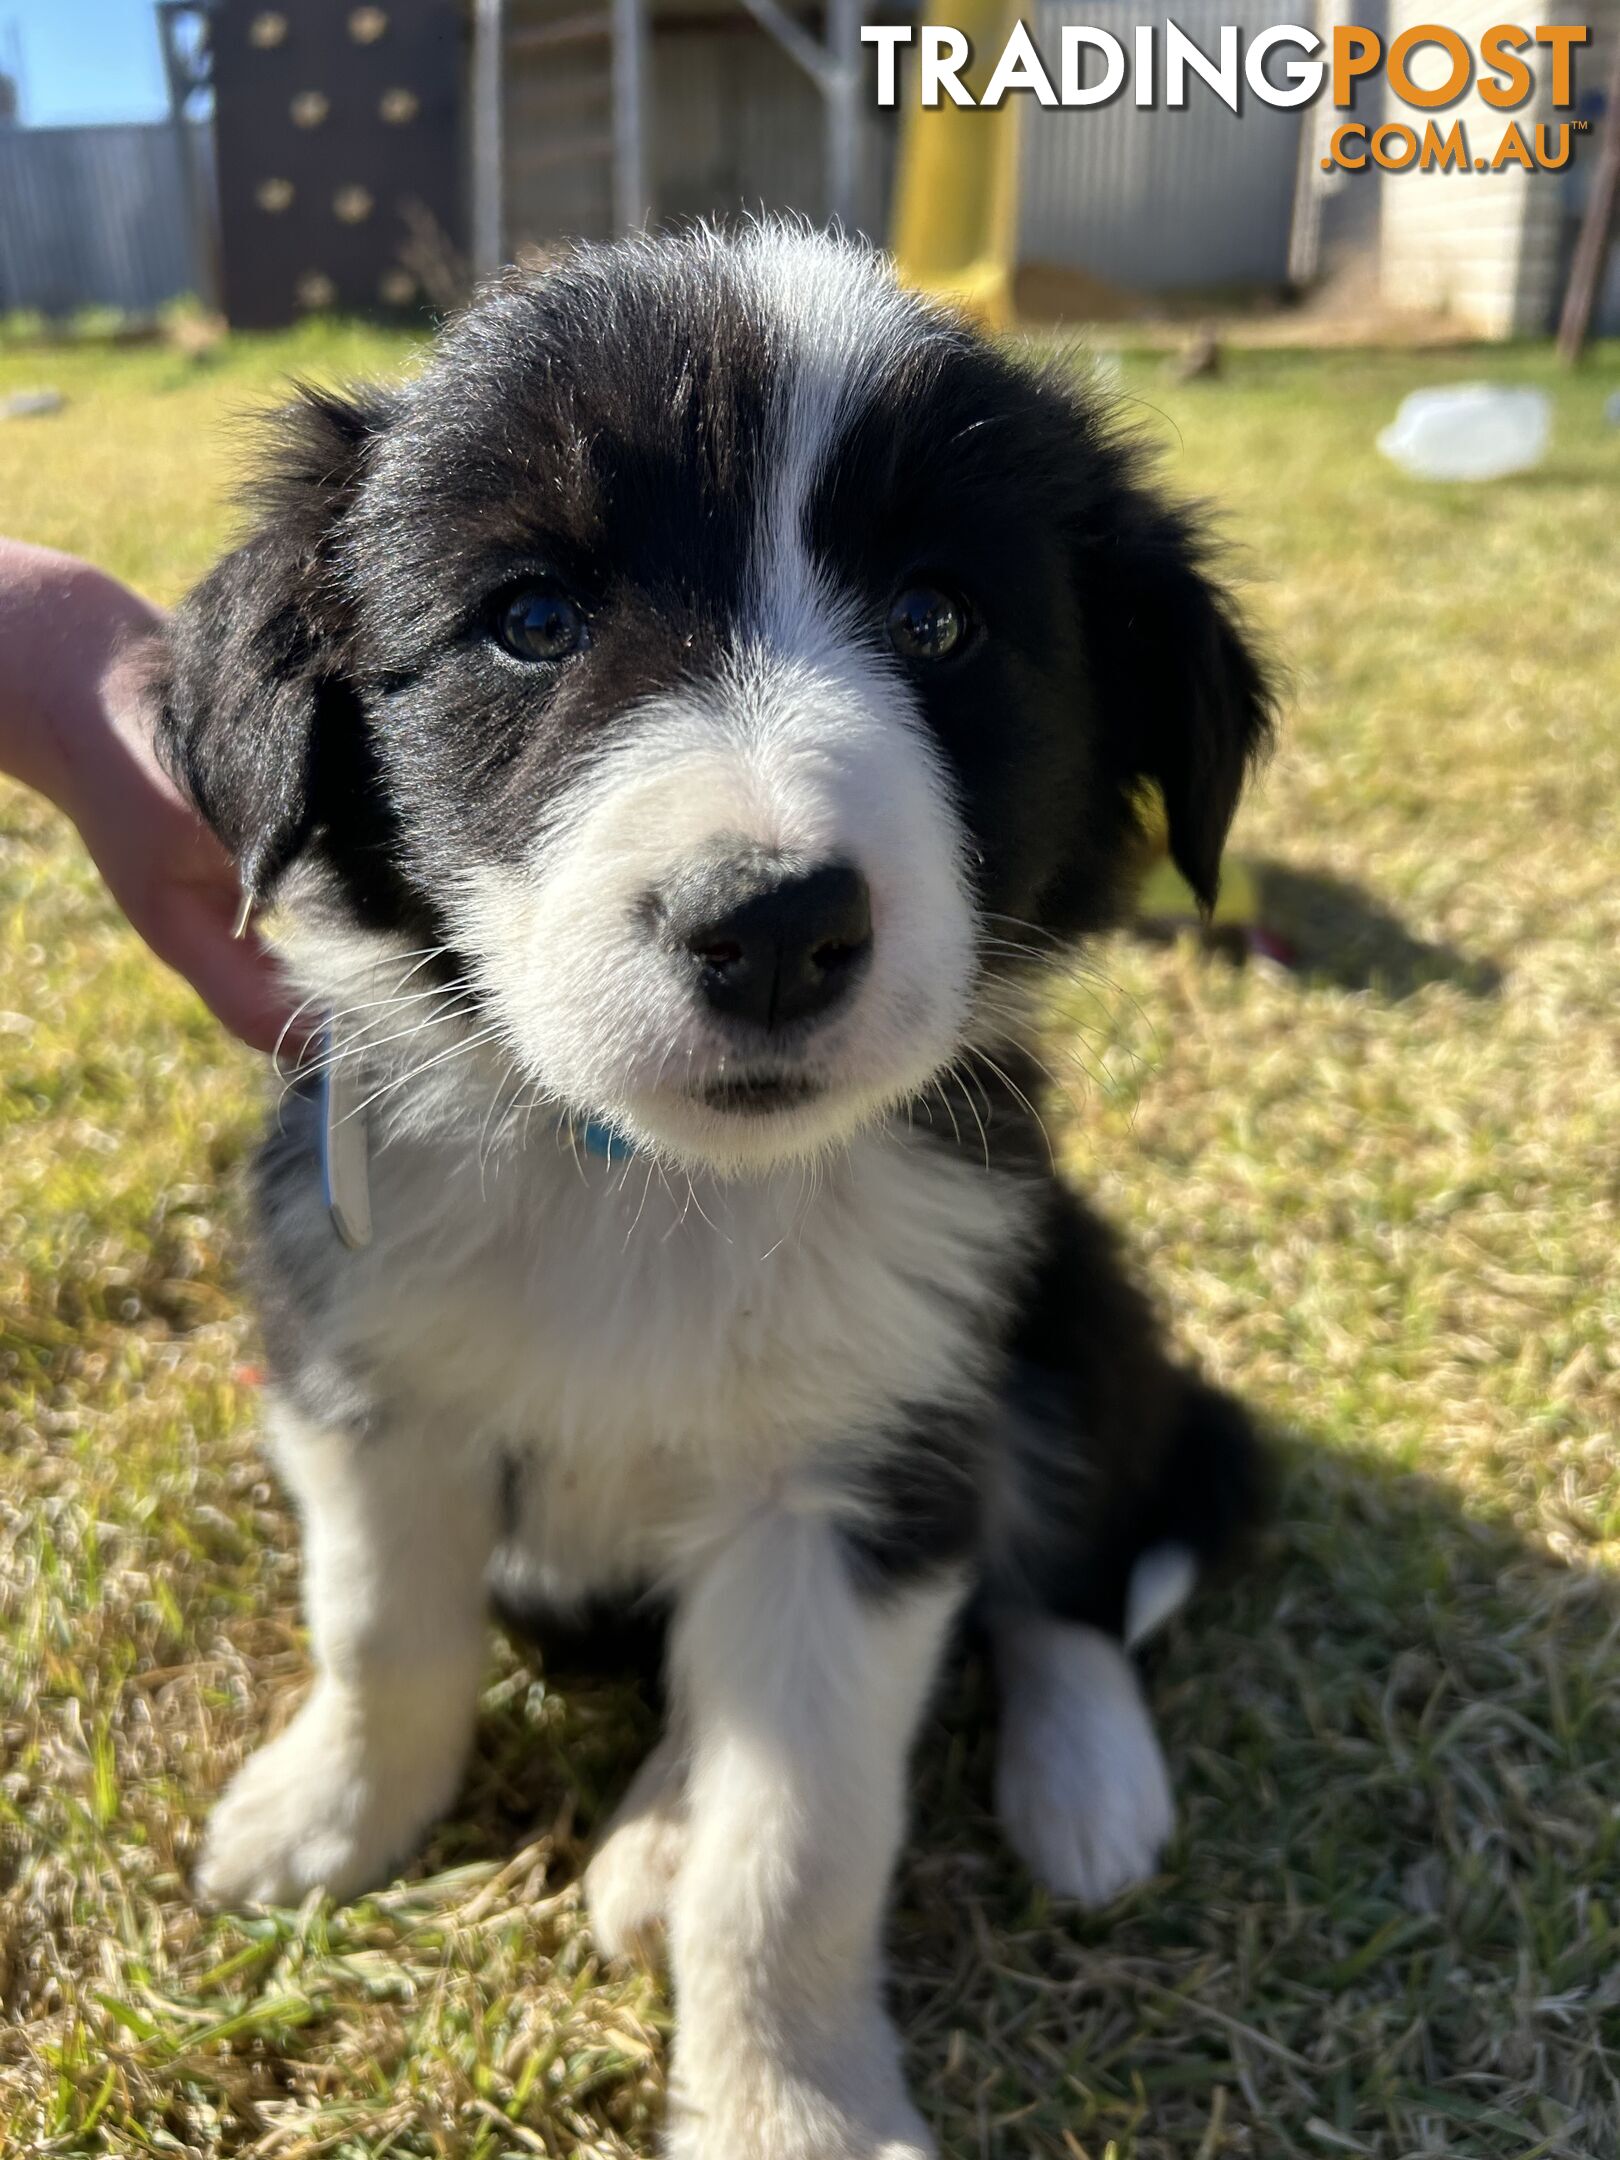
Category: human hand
[76,724]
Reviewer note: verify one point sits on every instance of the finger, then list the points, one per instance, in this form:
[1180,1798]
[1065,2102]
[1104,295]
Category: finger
[239,980]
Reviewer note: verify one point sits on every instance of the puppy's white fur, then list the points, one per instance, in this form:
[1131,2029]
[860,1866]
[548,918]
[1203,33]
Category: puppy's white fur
[630,1882]
[814,753]
[683,1413]
[396,1539]
[1081,1784]
[803,1696]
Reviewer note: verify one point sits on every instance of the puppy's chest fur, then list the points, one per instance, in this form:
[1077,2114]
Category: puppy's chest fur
[649,1358]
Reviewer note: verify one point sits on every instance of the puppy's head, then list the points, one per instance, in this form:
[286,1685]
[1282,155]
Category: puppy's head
[710,659]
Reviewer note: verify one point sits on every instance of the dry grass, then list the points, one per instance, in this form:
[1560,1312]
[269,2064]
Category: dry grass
[1380,1196]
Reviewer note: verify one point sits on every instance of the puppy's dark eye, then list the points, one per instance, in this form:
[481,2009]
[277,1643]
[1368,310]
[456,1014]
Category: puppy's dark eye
[927,624]
[540,622]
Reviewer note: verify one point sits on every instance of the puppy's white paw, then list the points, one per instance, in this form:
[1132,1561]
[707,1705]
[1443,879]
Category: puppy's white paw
[318,1808]
[630,1882]
[1081,1783]
[797,2126]
[841,2095]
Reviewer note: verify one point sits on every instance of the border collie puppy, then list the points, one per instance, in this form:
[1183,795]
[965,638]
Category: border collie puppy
[676,728]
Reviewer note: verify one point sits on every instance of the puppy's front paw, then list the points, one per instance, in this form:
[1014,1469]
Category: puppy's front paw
[855,2108]
[318,1808]
[1089,1839]
[693,2137]
[630,1882]
[1081,1783]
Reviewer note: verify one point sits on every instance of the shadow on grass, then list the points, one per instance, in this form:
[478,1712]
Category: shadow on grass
[1340,934]
[1386,1925]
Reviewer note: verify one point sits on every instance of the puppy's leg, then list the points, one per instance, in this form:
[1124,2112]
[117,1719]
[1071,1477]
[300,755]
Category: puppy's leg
[801,1693]
[1118,1480]
[397,1529]
[1081,1784]
[631,1881]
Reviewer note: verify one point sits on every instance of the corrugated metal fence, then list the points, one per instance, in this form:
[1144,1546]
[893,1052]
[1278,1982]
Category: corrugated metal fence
[100,216]
[1151,199]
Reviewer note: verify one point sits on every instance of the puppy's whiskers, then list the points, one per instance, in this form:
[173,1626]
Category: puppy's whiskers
[356,1048]
[460,1049]
[1000,1073]
[956,1073]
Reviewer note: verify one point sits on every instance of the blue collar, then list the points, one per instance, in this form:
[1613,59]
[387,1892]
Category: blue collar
[605,1141]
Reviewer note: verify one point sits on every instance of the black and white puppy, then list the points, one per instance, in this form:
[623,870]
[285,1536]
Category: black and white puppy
[675,727]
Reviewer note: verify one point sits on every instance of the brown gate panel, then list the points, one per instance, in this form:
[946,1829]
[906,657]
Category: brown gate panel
[338,148]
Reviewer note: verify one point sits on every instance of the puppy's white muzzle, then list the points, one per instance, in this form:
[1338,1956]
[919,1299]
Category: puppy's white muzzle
[746,932]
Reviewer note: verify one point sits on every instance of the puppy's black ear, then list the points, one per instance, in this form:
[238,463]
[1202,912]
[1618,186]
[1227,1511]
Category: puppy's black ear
[1184,702]
[257,655]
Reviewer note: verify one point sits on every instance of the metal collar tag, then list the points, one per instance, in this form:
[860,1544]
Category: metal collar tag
[345,1145]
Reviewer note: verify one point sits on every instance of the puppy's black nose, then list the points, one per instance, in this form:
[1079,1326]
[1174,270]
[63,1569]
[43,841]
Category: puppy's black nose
[776,946]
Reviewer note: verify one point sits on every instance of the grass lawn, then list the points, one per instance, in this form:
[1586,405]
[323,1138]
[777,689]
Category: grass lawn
[1379,1195]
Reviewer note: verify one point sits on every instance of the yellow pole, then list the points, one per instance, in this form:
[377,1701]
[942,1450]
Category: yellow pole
[956,198]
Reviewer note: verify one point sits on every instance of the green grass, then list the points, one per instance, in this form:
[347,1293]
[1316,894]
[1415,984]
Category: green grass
[1378,1195]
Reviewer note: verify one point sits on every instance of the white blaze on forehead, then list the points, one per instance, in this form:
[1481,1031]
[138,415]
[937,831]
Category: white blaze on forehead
[837,324]
[840,322]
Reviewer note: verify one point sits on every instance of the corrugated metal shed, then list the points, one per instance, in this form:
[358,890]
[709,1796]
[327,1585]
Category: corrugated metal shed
[1493,248]
[1150,199]
[736,125]
[97,217]
[733,124]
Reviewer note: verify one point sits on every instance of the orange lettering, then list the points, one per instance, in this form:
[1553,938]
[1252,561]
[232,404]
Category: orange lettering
[1496,51]
[1513,150]
[1338,146]
[1355,52]
[1398,159]
[1443,153]
[1563,38]
[1462,66]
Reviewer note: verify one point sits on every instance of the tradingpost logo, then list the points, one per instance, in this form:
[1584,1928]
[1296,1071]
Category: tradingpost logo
[1426,68]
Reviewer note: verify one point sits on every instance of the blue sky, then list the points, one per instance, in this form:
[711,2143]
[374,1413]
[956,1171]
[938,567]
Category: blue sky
[84,60]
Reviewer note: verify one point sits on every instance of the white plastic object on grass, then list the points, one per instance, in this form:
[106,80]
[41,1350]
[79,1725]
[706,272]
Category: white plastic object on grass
[31,404]
[1469,431]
